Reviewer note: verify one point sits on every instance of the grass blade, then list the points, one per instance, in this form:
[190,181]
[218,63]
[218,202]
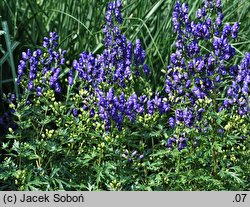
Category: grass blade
[11,59]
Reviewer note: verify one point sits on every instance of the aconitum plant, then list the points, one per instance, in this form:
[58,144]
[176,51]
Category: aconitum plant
[95,123]
[63,109]
[201,78]
[108,76]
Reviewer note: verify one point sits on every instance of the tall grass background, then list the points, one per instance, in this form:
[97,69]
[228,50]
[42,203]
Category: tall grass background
[79,25]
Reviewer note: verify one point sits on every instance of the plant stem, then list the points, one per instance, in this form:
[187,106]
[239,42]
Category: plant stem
[178,163]
[215,151]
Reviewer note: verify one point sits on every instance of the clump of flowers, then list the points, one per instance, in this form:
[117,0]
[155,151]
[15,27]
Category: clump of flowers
[108,75]
[50,62]
[98,114]
[194,80]
[133,156]
[197,78]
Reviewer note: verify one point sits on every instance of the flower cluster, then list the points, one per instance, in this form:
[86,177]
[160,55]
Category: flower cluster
[114,8]
[130,157]
[238,92]
[180,141]
[49,62]
[113,108]
[120,52]
[32,59]
[196,74]
[200,72]
[117,64]
[54,61]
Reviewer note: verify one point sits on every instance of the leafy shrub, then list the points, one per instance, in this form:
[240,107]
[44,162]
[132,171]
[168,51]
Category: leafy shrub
[98,126]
